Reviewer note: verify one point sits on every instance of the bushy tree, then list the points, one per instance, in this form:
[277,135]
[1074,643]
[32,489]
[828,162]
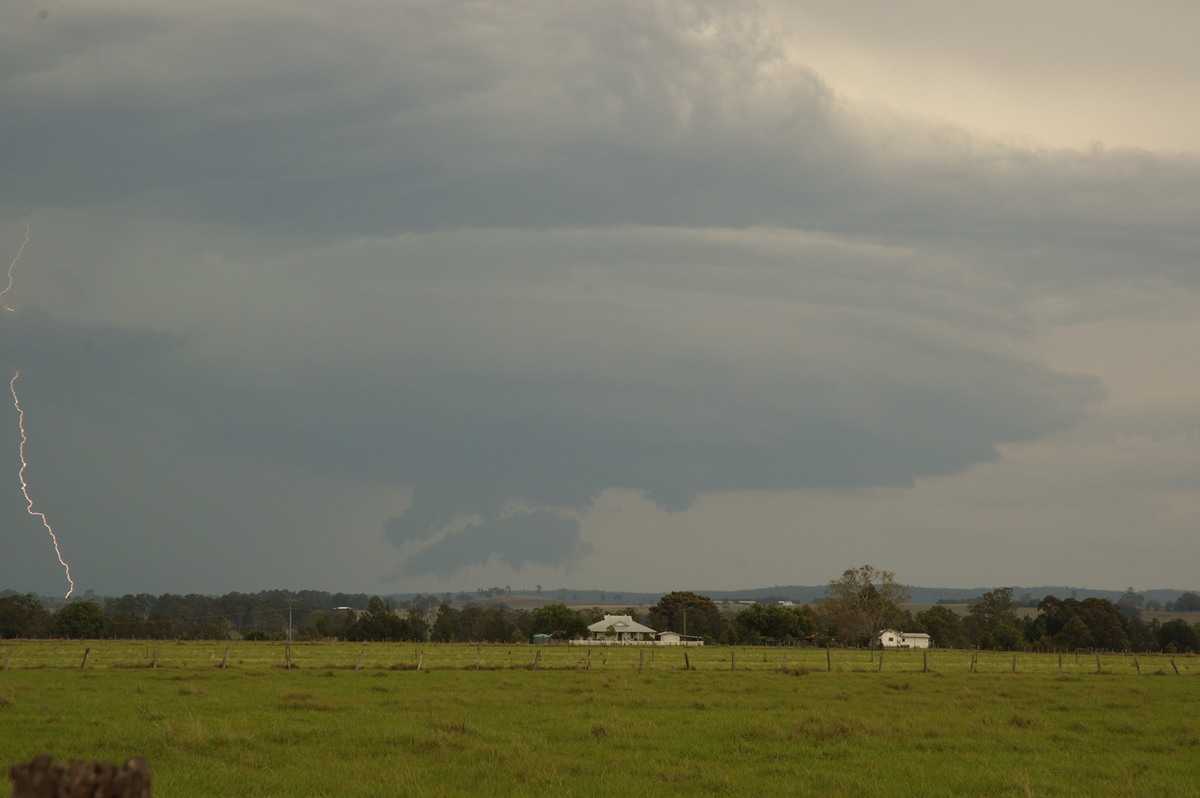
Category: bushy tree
[23,616]
[689,613]
[943,625]
[862,603]
[1176,635]
[82,620]
[760,623]
[557,620]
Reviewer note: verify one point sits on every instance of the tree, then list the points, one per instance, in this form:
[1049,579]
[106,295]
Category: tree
[557,620]
[1131,603]
[943,625]
[23,616]
[994,608]
[1188,602]
[1176,635]
[82,619]
[760,623]
[689,613]
[379,622]
[1074,635]
[862,603]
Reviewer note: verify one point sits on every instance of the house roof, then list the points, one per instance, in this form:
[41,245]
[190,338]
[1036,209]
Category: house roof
[619,623]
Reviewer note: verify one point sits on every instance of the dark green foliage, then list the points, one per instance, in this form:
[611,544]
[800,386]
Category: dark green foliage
[772,623]
[1103,620]
[1177,636]
[81,619]
[689,613]
[23,616]
[381,622]
[943,625]
[557,620]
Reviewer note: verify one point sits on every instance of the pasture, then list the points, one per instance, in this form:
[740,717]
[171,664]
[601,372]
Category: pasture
[349,719]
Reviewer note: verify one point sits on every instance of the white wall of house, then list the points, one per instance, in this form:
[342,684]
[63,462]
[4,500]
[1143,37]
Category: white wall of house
[890,638]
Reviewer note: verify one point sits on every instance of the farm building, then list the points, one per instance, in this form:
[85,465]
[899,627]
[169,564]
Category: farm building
[620,629]
[890,638]
[676,639]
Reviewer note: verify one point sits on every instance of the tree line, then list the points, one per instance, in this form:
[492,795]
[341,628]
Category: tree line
[855,608]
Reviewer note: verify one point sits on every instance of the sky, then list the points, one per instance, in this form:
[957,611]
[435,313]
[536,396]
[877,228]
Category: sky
[429,295]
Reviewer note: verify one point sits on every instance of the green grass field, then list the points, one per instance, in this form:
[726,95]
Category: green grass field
[481,721]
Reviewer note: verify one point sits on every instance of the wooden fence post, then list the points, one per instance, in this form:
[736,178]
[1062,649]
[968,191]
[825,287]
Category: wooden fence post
[361,654]
[687,663]
[8,659]
[1173,665]
[925,661]
[83,664]
[880,667]
[1060,662]
[1098,664]
[589,662]
[1014,663]
[420,659]
[1136,665]
[154,662]
[478,656]
[287,653]
[225,659]
[641,659]
[828,660]
[537,655]
[732,659]
[42,776]
[783,666]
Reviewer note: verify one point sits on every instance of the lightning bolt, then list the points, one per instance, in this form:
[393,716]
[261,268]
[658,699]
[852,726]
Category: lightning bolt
[13,265]
[12,387]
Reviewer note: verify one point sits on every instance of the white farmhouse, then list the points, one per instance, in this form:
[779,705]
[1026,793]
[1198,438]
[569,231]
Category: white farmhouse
[890,638]
[620,629]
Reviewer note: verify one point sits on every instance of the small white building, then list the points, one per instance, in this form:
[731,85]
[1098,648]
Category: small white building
[620,629]
[676,639]
[890,638]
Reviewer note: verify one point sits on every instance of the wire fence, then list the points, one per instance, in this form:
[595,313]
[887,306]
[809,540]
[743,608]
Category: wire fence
[30,654]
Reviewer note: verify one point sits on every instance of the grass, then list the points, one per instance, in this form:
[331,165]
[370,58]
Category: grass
[325,728]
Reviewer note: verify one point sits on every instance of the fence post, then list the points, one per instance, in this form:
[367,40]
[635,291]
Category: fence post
[154,662]
[1014,663]
[1136,665]
[687,663]
[83,664]
[8,659]
[478,656]
[880,666]
[828,660]
[783,667]
[43,776]
[225,658]
[1098,664]
[641,658]
[1173,665]
[420,659]
[925,661]
[361,654]
[732,659]
[287,653]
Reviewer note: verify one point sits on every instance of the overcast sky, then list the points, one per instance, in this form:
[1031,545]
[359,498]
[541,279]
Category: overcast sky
[431,295]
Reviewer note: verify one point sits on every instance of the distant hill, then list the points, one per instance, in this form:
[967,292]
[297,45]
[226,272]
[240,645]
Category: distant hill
[808,594]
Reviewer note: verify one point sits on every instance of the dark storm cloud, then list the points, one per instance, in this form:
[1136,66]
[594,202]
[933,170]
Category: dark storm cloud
[512,255]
